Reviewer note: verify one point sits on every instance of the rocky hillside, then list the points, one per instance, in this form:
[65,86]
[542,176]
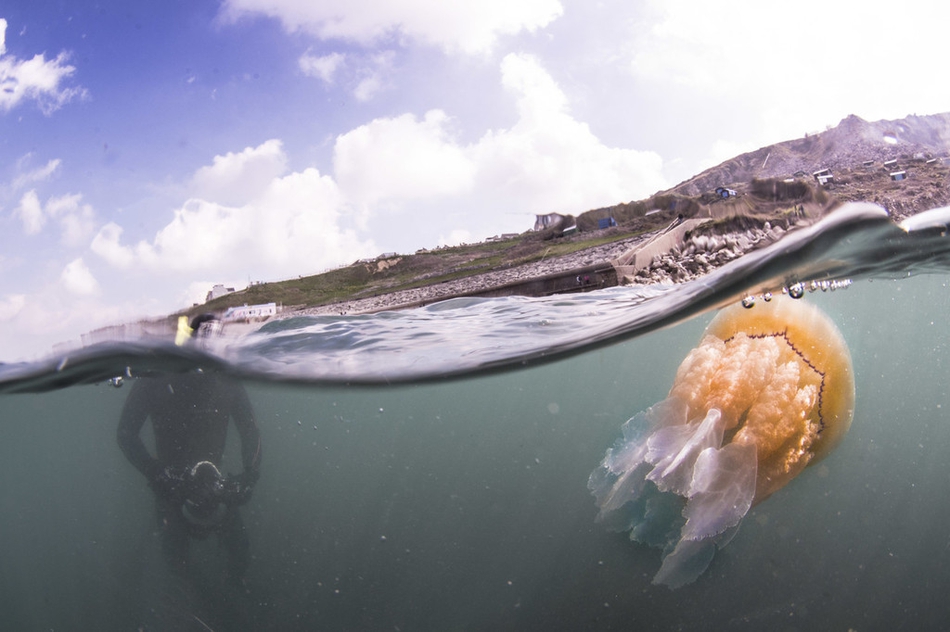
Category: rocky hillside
[847,146]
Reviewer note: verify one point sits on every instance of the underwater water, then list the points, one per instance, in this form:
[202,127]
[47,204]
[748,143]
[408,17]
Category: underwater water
[462,504]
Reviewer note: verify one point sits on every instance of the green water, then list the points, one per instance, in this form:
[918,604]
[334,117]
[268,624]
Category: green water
[463,505]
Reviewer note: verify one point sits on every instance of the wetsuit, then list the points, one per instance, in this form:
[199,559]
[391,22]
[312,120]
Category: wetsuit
[190,415]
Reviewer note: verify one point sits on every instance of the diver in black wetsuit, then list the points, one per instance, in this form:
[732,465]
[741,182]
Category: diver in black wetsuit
[190,415]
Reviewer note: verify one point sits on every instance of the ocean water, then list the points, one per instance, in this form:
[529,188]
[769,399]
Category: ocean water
[427,470]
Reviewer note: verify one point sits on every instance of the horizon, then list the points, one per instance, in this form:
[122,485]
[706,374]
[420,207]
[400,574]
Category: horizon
[155,151]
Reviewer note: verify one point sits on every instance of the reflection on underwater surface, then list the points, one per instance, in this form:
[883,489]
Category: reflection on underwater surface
[463,504]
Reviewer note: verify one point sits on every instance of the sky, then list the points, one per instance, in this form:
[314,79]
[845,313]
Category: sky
[150,150]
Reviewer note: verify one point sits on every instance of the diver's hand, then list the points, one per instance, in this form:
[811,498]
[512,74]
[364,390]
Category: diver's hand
[170,483]
[238,488]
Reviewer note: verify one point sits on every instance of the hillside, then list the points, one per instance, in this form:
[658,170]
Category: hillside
[769,184]
[846,146]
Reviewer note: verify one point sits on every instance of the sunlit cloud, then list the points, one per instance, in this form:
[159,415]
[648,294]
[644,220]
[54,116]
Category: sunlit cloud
[467,27]
[77,279]
[37,79]
[76,219]
[322,67]
[251,218]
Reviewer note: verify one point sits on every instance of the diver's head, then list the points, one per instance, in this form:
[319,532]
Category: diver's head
[202,329]
[204,326]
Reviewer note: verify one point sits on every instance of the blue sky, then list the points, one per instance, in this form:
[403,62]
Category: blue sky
[150,150]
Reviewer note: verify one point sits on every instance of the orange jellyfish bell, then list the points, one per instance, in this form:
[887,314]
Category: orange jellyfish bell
[768,392]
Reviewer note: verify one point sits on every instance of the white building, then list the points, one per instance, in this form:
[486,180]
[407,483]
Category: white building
[248,313]
[218,290]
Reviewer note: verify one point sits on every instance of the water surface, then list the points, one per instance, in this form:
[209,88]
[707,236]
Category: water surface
[461,504]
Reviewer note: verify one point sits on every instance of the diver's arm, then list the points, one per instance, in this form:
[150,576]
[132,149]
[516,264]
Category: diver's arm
[134,414]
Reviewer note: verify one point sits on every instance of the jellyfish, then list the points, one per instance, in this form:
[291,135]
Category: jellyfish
[768,392]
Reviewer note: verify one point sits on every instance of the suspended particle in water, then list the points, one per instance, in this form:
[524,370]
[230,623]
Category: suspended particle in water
[796,290]
[116,381]
[748,301]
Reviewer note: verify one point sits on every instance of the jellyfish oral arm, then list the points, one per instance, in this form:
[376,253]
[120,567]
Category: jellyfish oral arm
[673,451]
[721,491]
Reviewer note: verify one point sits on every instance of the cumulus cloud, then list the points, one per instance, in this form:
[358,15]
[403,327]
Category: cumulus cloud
[550,162]
[392,160]
[237,177]
[76,219]
[78,280]
[467,27]
[39,79]
[322,67]
[271,224]
[792,71]
[107,244]
[30,212]
[547,161]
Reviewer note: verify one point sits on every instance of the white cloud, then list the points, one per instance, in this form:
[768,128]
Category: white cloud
[550,162]
[36,79]
[107,245]
[11,305]
[323,67]
[236,177]
[78,280]
[75,218]
[30,213]
[35,175]
[547,161]
[468,27]
[780,71]
[374,76]
[285,225]
[393,160]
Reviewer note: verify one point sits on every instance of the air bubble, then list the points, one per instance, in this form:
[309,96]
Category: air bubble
[796,290]
[748,301]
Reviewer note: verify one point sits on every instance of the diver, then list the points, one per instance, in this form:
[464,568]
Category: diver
[190,414]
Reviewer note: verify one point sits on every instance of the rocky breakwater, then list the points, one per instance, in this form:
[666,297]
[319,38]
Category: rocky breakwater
[475,284]
[700,253]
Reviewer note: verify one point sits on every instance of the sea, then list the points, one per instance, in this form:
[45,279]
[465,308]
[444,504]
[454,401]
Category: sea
[427,469]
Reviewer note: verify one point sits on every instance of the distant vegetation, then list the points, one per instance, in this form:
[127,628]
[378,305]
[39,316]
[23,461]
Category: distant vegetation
[368,278]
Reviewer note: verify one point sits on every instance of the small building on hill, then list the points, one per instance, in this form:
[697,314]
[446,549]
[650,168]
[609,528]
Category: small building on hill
[824,176]
[723,192]
[218,290]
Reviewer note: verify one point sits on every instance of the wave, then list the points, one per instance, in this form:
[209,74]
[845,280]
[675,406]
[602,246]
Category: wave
[471,336]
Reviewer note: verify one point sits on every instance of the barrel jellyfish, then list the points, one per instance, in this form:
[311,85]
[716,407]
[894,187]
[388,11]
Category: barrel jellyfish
[768,392]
